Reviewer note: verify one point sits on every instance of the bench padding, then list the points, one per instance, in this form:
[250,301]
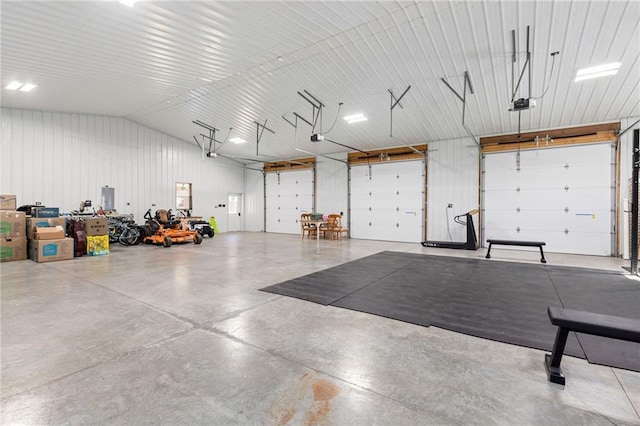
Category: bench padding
[516,243]
[587,323]
[627,329]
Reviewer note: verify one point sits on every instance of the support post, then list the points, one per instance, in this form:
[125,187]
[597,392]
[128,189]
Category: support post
[552,362]
[634,203]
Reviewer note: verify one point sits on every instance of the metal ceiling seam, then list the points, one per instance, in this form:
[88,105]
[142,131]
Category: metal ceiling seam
[631,94]
[635,65]
[419,87]
[572,118]
[443,68]
[423,22]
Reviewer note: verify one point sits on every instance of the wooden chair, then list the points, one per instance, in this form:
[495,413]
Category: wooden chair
[308,229]
[334,227]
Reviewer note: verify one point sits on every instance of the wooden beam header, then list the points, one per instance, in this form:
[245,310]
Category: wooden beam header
[387,155]
[547,138]
[289,165]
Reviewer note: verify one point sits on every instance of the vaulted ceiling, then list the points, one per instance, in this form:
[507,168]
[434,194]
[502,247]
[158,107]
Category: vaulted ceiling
[229,64]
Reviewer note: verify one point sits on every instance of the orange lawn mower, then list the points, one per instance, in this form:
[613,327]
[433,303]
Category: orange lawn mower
[164,229]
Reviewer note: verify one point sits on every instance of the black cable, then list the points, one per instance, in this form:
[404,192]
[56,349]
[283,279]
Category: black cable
[553,61]
[334,121]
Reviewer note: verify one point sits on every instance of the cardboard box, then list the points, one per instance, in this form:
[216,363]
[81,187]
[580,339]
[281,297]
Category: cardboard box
[97,245]
[32,222]
[13,248]
[48,232]
[96,226]
[12,224]
[8,202]
[50,250]
[47,212]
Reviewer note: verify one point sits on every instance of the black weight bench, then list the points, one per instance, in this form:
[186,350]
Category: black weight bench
[517,243]
[567,320]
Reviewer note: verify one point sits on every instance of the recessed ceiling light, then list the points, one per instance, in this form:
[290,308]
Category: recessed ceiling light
[28,87]
[599,71]
[237,140]
[129,3]
[355,118]
[280,58]
[14,85]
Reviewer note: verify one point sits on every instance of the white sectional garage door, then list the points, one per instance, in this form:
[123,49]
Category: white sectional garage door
[387,201]
[562,196]
[288,194]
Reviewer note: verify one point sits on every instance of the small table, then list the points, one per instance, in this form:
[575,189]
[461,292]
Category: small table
[317,224]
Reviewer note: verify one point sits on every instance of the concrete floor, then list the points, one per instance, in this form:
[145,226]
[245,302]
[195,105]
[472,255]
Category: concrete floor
[148,335]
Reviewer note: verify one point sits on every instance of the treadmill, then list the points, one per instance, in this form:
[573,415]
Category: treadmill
[472,240]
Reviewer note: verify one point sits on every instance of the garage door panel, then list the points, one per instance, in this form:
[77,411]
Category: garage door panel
[588,243]
[288,194]
[561,194]
[391,201]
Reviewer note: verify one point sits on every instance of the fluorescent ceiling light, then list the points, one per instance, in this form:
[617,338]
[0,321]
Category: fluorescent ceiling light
[14,85]
[599,71]
[237,140]
[355,118]
[28,87]
[129,3]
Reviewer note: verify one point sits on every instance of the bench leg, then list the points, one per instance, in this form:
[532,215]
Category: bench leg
[552,362]
[488,256]
[542,260]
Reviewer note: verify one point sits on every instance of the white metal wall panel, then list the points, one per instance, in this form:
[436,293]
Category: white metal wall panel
[332,185]
[387,201]
[253,200]
[563,196]
[60,159]
[452,170]
[626,168]
[288,194]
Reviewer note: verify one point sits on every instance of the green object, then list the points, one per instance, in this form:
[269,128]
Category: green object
[6,227]
[213,225]
[6,252]
[316,216]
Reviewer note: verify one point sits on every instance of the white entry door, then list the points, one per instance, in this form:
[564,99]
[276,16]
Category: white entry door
[288,194]
[387,201]
[562,196]
[235,212]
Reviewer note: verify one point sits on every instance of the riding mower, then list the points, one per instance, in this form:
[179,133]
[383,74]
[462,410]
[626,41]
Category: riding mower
[196,224]
[164,229]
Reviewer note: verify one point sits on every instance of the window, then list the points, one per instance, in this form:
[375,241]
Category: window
[183,196]
[234,203]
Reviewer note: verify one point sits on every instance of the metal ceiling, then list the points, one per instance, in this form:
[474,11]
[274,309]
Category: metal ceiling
[165,64]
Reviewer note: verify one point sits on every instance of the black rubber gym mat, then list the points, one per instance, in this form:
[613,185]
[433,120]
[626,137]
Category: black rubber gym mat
[604,293]
[469,296]
[502,301]
[331,284]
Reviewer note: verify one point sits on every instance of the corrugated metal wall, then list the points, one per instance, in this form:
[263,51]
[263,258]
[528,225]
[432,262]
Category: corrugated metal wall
[253,200]
[61,159]
[331,186]
[452,178]
[626,169]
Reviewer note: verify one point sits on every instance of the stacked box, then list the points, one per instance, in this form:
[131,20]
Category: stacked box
[47,212]
[50,250]
[33,222]
[8,202]
[12,224]
[96,226]
[48,233]
[13,248]
[97,230]
[97,245]
[13,243]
